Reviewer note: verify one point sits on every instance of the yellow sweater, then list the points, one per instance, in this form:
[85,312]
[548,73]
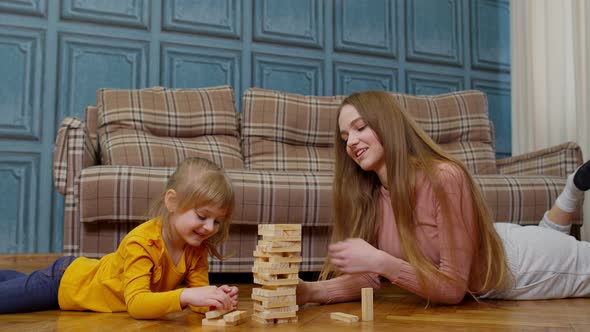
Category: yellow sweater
[139,277]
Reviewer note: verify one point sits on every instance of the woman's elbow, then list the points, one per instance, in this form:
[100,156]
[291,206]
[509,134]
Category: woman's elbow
[450,299]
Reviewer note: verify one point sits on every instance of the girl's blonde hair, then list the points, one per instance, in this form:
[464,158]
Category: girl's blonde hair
[408,149]
[199,182]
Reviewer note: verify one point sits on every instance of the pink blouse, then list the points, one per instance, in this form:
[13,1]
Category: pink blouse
[451,250]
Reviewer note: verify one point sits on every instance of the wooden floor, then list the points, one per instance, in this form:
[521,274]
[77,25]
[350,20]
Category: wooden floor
[395,310]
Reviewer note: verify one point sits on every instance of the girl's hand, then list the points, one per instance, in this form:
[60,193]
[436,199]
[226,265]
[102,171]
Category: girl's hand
[206,296]
[232,292]
[355,256]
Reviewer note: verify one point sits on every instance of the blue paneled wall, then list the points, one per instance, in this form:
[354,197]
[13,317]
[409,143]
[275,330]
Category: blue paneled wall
[56,53]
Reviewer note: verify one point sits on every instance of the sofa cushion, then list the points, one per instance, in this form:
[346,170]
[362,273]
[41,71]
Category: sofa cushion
[122,194]
[283,131]
[161,127]
[459,123]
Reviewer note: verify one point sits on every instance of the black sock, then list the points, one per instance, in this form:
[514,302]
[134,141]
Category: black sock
[582,177]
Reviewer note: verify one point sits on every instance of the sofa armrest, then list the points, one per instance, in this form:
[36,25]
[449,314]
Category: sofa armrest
[75,149]
[558,160]
[522,199]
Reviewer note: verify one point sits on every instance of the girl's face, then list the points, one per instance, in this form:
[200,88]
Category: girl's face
[362,144]
[197,225]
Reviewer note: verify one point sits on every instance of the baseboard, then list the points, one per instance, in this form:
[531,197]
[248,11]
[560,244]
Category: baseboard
[27,261]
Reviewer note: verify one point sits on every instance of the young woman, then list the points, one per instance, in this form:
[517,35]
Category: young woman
[141,277]
[409,212]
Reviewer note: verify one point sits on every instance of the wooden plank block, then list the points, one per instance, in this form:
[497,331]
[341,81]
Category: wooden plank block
[291,300]
[221,322]
[280,233]
[271,271]
[279,244]
[268,265]
[212,314]
[279,227]
[264,248]
[344,317]
[281,236]
[261,308]
[261,320]
[273,299]
[278,282]
[286,320]
[235,316]
[367,303]
[269,315]
[261,262]
[273,292]
[282,276]
[278,257]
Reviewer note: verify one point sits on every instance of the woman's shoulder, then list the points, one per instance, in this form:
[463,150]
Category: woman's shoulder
[447,171]
[449,175]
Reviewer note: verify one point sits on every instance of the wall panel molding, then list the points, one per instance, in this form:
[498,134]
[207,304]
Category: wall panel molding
[19,175]
[431,83]
[499,101]
[288,74]
[349,78]
[296,22]
[366,27]
[434,31]
[220,17]
[131,13]
[490,34]
[89,63]
[20,86]
[194,67]
[25,7]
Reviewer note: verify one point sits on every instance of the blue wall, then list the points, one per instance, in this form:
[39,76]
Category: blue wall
[55,54]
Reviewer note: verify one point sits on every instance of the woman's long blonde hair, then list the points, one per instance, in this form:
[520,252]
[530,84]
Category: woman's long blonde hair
[199,182]
[408,149]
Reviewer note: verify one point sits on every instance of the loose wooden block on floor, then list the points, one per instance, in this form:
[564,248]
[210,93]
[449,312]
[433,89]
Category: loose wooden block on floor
[367,303]
[212,314]
[236,316]
[344,317]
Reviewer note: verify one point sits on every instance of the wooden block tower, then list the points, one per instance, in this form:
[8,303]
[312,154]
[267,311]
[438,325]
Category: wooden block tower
[276,268]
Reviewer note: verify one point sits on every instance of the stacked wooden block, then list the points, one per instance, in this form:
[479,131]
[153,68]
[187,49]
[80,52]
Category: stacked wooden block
[276,268]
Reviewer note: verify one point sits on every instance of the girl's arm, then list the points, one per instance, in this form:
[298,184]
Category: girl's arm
[141,302]
[197,281]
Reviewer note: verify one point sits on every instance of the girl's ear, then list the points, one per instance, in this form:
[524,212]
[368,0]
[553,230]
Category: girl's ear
[170,200]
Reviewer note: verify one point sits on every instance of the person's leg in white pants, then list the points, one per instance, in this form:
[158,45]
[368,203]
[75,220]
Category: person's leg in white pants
[545,261]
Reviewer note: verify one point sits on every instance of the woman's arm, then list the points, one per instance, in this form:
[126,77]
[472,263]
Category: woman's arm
[456,246]
[340,289]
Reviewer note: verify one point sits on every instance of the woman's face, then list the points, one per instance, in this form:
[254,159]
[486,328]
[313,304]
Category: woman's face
[362,144]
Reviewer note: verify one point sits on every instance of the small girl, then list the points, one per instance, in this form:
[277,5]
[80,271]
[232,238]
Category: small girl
[143,275]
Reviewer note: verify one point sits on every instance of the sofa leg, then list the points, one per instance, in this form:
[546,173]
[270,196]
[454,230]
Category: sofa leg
[576,232]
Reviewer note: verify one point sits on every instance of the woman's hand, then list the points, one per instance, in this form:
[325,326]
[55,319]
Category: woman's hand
[355,256]
[302,292]
[310,292]
[207,296]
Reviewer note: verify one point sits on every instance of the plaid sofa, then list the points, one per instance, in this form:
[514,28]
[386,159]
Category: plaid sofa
[278,153]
